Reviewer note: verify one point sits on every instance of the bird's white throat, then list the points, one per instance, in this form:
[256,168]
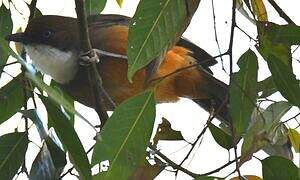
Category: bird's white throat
[60,65]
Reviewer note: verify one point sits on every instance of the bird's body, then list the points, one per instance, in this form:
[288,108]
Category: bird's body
[52,42]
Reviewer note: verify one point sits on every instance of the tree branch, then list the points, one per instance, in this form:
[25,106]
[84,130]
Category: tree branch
[233,25]
[94,77]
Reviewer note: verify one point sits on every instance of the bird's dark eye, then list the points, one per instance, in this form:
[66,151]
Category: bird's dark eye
[47,34]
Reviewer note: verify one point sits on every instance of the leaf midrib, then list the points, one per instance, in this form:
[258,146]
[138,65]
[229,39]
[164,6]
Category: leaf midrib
[131,129]
[150,32]
[10,153]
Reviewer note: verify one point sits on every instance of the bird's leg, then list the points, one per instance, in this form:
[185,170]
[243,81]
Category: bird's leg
[86,58]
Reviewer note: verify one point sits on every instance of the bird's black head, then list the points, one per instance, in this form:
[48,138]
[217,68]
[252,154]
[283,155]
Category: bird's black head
[56,31]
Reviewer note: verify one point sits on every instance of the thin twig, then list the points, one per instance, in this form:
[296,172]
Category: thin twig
[211,117]
[171,163]
[294,117]
[281,12]
[220,168]
[233,25]
[8,64]
[186,68]
[215,31]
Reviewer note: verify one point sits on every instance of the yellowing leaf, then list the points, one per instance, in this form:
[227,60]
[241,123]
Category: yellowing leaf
[259,10]
[19,46]
[294,137]
[248,177]
[120,2]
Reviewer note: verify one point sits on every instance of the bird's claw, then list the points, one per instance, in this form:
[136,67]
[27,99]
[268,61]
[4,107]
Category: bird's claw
[86,58]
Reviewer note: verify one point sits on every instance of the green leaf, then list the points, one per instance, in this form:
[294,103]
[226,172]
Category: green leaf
[243,92]
[125,136]
[13,147]
[275,167]
[6,26]
[156,25]
[69,138]
[11,99]
[94,6]
[294,137]
[267,87]
[32,114]
[287,34]
[222,138]
[165,132]
[278,57]
[49,163]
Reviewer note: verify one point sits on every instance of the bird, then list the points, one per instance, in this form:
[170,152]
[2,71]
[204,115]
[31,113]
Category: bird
[52,43]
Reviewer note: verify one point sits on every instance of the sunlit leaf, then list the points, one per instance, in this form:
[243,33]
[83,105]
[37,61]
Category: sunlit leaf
[125,136]
[11,98]
[32,114]
[53,93]
[243,92]
[70,115]
[49,163]
[294,137]
[156,25]
[165,132]
[221,137]
[259,10]
[94,6]
[13,147]
[5,29]
[275,167]
[69,138]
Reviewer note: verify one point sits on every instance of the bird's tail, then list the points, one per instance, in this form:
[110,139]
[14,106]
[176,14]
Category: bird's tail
[207,91]
[217,100]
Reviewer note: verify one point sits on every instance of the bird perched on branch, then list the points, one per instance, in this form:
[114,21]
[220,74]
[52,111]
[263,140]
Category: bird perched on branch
[53,44]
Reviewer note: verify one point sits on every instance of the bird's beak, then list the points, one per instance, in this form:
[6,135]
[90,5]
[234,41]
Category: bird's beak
[18,37]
